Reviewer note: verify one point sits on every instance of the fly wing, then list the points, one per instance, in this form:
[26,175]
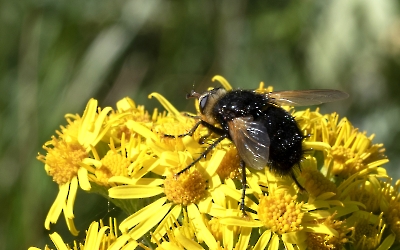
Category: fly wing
[306,97]
[251,140]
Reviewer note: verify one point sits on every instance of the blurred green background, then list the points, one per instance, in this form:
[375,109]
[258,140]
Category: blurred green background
[55,55]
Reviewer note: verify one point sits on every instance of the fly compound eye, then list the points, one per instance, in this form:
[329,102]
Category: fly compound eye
[203,102]
[207,102]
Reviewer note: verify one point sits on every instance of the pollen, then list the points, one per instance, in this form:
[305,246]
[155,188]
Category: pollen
[316,183]
[186,188]
[113,164]
[230,165]
[63,159]
[280,212]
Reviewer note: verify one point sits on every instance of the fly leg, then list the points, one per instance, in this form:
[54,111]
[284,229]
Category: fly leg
[189,133]
[243,166]
[203,155]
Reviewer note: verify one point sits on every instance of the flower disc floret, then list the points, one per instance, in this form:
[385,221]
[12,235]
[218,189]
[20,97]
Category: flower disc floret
[353,152]
[186,188]
[320,241]
[63,159]
[366,234]
[316,183]
[280,212]
[230,165]
[368,195]
[113,164]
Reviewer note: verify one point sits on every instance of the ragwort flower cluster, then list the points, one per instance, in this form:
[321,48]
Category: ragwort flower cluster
[125,155]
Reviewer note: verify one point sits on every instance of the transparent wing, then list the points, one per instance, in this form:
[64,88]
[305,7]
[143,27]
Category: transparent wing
[306,97]
[251,140]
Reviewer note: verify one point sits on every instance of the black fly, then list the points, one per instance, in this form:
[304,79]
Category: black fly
[264,133]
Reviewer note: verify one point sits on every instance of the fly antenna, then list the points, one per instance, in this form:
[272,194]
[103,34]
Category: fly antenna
[193,94]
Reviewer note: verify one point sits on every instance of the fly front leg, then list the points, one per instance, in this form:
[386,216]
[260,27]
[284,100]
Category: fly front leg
[189,133]
[203,155]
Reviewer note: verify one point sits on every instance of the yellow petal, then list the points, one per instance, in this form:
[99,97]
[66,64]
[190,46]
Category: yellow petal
[89,161]
[141,215]
[125,104]
[185,242]
[274,243]
[83,179]
[263,240]
[134,191]
[167,105]
[288,246]
[58,242]
[387,243]
[130,245]
[237,195]
[140,182]
[215,161]
[219,197]
[377,163]
[71,225]
[205,206]
[325,196]
[320,229]
[145,225]
[57,206]
[73,188]
[141,130]
[167,222]
[95,135]
[87,122]
[120,242]
[253,182]
[241,222]
[320,146]
[244,238]
[294,237]
[91,236]
[223,82]
[201,229]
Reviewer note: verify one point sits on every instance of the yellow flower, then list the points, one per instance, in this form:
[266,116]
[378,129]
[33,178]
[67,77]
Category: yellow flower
[67,159]
[369,231]
[155,178]
[206,234]
[284,218]
[348,199]
[316,240]
[116,162]
[350,151]
[98,236]
[230,165]
[280,212]
[392,212]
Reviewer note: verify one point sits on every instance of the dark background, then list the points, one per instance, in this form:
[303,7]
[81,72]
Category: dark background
[56,54]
